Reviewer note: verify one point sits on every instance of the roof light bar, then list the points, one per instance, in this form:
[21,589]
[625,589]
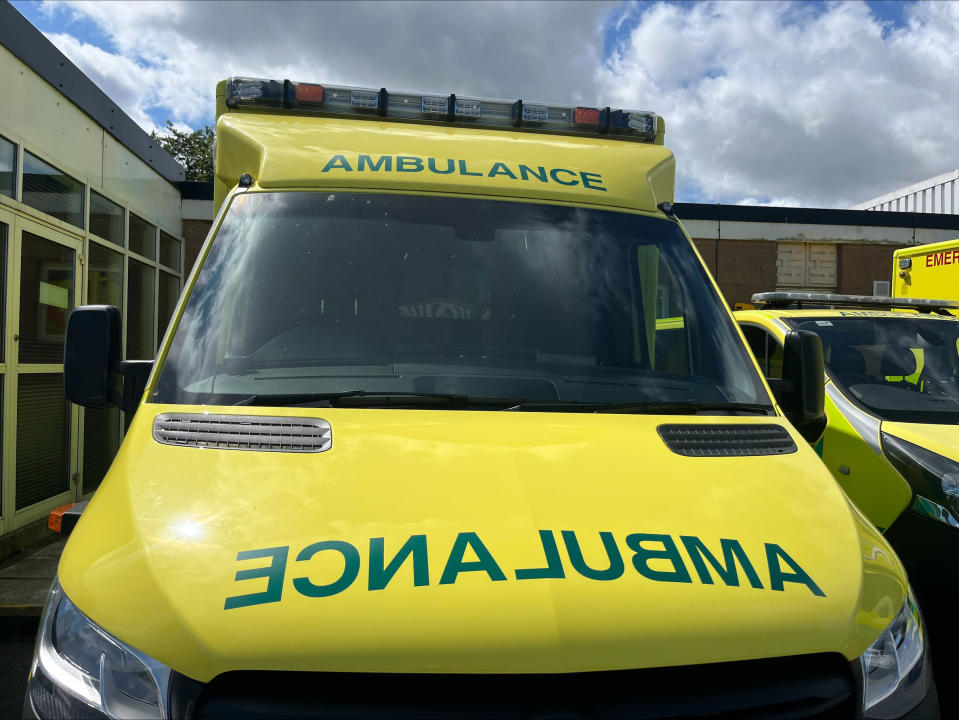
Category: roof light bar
[419,107]
[771,300]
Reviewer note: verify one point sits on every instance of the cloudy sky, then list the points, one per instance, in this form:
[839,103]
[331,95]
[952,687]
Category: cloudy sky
[820,104]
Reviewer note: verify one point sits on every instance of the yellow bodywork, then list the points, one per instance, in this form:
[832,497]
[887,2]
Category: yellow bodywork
[851,443]
[934,272]
[154,557]
[200,557]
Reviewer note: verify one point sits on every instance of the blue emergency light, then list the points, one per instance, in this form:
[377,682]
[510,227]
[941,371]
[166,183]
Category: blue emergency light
[339,100]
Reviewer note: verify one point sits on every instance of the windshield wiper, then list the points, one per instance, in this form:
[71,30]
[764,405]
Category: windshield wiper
[450,401]
[651,407]
[376,398]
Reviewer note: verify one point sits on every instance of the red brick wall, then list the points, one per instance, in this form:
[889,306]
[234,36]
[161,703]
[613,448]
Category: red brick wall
[194,233]
[859,265]
[741,267]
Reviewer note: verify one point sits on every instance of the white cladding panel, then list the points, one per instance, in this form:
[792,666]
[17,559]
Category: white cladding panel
[49,124]
[148,194]
[55,130]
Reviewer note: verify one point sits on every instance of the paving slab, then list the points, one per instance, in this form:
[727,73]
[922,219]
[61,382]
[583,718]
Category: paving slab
[25,578]
[53,549]
[31,567]
[23,596]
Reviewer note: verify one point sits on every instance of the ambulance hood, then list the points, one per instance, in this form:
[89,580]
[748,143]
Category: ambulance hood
[941,439]
[438,541]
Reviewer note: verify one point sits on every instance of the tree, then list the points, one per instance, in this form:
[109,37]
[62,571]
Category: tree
[193,150]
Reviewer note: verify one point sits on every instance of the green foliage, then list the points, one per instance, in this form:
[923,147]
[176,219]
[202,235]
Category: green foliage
[193,150]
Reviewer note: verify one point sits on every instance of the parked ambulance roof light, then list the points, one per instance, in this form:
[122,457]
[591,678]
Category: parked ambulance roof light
[770,300]
[435,105]
[419,107]
[308,93]
[535,113]
[466,107]
[364,99]
[586,116]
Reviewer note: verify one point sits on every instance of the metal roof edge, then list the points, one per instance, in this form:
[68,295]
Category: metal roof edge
[815,216]
[32,47]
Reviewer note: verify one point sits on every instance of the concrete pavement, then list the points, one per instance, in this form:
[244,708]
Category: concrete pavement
[24,581]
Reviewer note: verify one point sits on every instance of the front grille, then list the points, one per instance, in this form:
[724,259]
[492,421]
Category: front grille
[727,440]
[809,686]
[243,432]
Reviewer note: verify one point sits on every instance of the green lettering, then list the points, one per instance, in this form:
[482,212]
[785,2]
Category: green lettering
[415,546]
[732,551]
[351,569]
[554,566]
[555,171]
[615,568]
[464,171]
[484,562]
[337,162]
[273,573]
[540,173]
[450,166]
[590,178]
[670,552]
[777,577]
[501,169]
[402,161]
[365,161]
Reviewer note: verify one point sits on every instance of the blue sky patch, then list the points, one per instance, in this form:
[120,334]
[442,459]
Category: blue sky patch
[889,11]
[62,20]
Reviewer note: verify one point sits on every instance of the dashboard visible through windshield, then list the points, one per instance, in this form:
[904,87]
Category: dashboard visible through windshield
[327,295]
[903,369]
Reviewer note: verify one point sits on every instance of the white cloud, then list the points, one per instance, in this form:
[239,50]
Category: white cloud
[119,77]
[535,50]
[794,104]
[787,103]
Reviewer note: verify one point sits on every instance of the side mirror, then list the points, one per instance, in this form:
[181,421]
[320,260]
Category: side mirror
[92,355]
[802,391]
[93,373]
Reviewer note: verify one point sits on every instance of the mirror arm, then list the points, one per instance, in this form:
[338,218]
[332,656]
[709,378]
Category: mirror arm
[135,374]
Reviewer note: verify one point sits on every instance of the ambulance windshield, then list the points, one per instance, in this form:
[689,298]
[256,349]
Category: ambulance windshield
[323,292]
[904,369]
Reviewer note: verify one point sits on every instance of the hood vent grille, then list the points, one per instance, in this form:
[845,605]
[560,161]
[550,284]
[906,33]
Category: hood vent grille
[243,432]
[727,440]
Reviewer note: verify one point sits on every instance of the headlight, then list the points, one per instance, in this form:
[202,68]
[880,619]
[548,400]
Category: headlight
[934,479]
[895,668]
[80,670]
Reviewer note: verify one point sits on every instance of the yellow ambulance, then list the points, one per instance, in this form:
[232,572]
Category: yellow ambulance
[892,436]
[452,421]
[927,271]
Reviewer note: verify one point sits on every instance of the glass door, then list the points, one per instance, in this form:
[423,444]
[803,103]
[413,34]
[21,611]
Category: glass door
[40,442]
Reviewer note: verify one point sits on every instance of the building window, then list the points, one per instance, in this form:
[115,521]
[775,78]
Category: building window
[169,251]
[880,288]
[8,168]
[143,237]
[106,219]
[140,304]
[48,190]
[169,294]
[46,298]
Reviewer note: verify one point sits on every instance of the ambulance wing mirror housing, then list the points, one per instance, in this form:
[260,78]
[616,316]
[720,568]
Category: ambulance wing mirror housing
[94,373]
[91,356]
[802,394]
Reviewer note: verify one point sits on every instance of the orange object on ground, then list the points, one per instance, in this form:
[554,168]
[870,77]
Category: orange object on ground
[55,521]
